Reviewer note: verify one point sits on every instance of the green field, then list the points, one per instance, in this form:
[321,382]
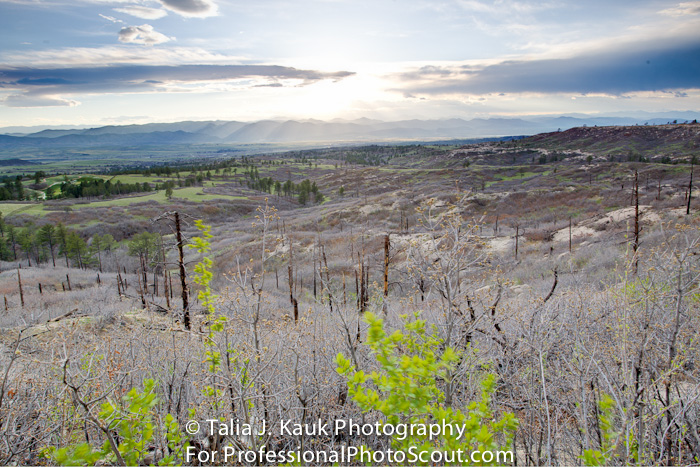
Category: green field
[193,194]
[34,209]
[189,194]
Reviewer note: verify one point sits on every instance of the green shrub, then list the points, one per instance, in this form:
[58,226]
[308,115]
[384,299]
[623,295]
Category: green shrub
[609,438]
[133,424]
[405,390]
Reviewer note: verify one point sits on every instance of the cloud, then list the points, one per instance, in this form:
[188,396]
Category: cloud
[616,70]
[270,85]
[683,9]
[37,86]
[191,8]
[144,34]
[142,12]
[30,100]
[111,18]
[115,55]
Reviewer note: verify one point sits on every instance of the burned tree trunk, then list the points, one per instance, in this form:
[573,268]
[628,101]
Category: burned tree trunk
[690,190]
[21,292]
[635,246]
[386,265]
[165,274]
[141,290]
[183,277]
[385,305]
[327,284]
[290,270]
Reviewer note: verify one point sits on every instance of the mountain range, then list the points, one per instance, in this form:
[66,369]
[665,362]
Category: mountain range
[362,130]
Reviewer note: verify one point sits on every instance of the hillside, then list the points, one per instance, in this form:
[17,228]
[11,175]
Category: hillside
[622,141]
[569,277]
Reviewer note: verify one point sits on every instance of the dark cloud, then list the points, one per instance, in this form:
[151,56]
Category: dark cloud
[617,70]
[47,85]
[46,81]
[191,8]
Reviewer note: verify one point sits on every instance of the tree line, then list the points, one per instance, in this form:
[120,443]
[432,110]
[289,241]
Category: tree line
[55,244]
[303,190]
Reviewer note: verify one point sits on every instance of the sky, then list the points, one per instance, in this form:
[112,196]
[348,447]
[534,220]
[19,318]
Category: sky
[102,62]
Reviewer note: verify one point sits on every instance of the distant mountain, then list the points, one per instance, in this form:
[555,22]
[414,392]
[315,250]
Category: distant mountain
[188,127]
[156,138]
[26,130]
[311,131]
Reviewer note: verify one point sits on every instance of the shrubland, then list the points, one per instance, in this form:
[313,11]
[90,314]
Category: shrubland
[567,352]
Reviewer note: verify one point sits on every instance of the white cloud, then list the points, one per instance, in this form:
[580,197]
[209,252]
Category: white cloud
[110,18]
[117,55]
[142,12]
[29,100]
[683,9]
[192,8]
[144,34]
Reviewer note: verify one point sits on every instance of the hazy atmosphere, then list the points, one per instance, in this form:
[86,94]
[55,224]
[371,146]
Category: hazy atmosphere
[97,62]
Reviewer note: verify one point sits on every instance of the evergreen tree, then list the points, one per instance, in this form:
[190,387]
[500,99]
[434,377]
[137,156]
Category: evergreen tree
[27,240]
[303,197]
[12,240]
[47,236]
[99,244]
[62,236]
[77,249]
[19,188]
[5,252]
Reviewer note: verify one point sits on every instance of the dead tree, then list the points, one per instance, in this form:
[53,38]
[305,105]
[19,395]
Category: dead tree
[144,278]
[386,265]
[327,285]
[362,295]
[385,306]
[313,261]
[165,273]
[635,246]
[345,299]
[142,292]
[290,270]
[21,292]
[183,276]
[690,190]
[365,300]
